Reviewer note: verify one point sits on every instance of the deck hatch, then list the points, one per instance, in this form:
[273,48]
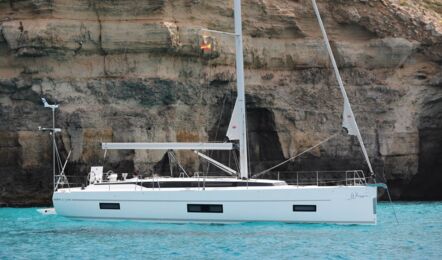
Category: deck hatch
[109,205]
[304,208]
[205,208]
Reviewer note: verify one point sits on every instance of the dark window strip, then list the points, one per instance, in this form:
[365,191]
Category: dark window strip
[190,184]
[109,205]
[304,208]
[205,208]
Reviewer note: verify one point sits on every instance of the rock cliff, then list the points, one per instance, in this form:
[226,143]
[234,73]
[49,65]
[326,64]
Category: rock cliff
[133,70]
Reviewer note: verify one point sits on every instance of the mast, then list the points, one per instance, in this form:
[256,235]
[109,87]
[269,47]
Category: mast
[241,99]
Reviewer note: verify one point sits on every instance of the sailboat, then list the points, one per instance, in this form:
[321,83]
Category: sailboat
[240,197]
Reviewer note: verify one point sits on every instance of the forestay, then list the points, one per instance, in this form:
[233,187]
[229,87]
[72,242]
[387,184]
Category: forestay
[348,120]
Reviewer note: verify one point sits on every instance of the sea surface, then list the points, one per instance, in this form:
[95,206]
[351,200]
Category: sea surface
[27,234]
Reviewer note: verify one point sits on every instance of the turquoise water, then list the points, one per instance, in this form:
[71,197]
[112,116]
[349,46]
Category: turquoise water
[26,234]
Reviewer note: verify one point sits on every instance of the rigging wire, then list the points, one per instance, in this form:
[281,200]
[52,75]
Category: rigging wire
[217,130]
[388,194]
[170,163]
[235,160]
[172,157]
[59,162]
[391,203]
[296,156]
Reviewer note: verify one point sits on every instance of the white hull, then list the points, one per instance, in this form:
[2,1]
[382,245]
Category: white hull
[333,204]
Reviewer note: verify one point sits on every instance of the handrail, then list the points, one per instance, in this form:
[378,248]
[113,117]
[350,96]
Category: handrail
[70,181]
[347,178]
[298,178]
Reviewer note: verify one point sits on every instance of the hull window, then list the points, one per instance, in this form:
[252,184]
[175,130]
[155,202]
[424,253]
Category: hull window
[109,205]
[304,208]
[204,208]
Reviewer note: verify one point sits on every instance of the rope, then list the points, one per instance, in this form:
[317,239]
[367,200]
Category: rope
[388,194]
[391,204]
[294,157]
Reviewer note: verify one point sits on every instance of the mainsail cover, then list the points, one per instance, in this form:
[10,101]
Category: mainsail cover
[348,120]
[233,132]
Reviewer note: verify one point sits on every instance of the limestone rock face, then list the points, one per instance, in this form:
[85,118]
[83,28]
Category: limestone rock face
[133,71]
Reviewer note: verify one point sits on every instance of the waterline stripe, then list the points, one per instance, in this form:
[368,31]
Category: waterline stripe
[219,220]
[217,201]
